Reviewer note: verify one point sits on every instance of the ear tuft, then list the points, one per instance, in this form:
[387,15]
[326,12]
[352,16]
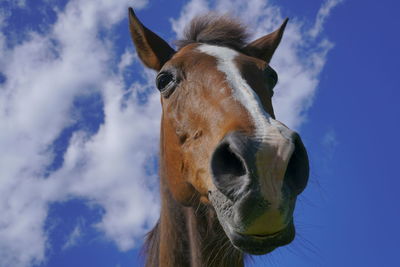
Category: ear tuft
[152,49]
[264,47]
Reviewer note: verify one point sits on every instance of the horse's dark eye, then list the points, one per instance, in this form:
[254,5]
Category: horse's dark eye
[163,80]
[272,77]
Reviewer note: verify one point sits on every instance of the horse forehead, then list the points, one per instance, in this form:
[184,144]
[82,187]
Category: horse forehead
[241,90]
[231,63]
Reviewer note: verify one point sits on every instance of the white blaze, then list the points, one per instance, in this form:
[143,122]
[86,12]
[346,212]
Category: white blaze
[241,91]
[276,145]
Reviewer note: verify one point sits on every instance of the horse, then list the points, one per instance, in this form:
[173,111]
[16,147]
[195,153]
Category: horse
[230,172]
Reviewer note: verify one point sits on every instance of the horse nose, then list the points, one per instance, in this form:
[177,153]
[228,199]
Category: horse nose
[235,169]
[298,169]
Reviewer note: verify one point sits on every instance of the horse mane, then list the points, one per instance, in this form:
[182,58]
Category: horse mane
[215,29]
[150,249]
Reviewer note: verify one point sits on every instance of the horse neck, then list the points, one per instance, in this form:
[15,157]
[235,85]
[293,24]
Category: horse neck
[187,236]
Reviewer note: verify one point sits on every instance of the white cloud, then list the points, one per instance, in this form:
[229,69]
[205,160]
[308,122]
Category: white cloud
[108,167]
[75,236]
[45,73]
[21,3]
[323,14]
[190,10]
[329,142]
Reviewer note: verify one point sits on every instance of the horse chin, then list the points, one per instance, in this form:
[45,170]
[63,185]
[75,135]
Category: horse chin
[257,244]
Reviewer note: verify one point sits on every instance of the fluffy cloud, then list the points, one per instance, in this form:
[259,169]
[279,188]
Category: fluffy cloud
[44,75]
[111,167]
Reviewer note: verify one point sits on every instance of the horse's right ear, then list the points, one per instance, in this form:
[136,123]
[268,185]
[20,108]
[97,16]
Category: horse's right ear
[152,49]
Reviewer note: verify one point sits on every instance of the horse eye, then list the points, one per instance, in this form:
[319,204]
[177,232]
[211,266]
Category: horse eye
[163,80]
[272,76]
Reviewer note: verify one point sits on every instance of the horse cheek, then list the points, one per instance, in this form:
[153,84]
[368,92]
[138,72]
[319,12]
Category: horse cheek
[175,171]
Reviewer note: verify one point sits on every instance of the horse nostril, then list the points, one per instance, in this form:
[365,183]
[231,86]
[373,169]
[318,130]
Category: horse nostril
[227,168]
[227,162]
[298,168]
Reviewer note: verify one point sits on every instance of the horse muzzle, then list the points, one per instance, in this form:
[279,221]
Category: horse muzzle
[257,180]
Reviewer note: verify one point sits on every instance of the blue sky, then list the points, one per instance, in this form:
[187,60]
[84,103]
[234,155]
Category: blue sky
[79,120]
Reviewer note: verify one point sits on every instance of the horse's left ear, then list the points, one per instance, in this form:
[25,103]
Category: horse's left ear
[264,47]
[152,49]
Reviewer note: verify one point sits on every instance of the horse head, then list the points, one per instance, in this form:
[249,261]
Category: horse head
[221,144]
